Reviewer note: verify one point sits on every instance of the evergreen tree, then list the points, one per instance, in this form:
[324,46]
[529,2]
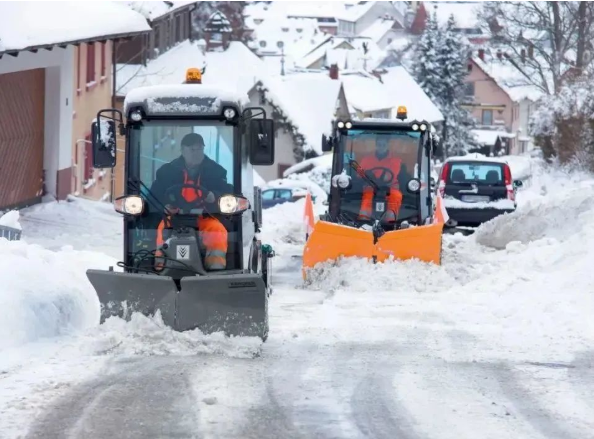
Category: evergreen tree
[453,59]
[440,70]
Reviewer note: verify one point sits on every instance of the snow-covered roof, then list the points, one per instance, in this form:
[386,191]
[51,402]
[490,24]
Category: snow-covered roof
[28,25]
[324,161]
[366,93]
[357,11]
[406,91]
[235,69]
[509,79]
[378,29]
[153,10]
[219,22]
[308,100]
[488,137]
[296,36]
[465,13]
[337,50]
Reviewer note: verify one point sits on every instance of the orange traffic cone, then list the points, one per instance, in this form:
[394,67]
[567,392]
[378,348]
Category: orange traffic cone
[441,214]
[308,216]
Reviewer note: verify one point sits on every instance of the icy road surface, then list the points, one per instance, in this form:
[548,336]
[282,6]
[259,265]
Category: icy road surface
[495,343]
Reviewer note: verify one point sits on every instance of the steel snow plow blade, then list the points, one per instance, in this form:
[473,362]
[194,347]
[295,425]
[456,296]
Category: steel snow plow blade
[330,241]
[236,304]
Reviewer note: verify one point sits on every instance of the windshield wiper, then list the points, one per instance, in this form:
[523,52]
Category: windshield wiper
[150,196]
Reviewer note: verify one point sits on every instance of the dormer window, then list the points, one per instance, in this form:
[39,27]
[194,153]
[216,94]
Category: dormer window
[262,43]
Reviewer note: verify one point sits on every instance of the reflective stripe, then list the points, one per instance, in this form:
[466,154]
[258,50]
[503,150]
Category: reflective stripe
[215,262]
[216,253]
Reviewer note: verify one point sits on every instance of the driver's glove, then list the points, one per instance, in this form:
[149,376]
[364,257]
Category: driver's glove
[210,198]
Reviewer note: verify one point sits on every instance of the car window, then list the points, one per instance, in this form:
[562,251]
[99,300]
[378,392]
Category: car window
[284,194]
[268,195]
[481,173]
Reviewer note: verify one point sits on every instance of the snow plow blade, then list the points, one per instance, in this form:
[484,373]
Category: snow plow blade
[330,241]
[236,304]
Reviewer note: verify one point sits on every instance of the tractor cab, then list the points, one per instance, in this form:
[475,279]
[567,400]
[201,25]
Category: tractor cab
[189,157]
[381,204]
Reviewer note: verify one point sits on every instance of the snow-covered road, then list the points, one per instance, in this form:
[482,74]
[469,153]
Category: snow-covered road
[495,343]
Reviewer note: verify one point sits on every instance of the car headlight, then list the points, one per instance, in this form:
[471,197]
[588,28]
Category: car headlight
[414,185]
[129,205]
[232,204]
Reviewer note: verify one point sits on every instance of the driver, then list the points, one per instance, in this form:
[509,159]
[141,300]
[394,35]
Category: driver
[194,168]
[382,159]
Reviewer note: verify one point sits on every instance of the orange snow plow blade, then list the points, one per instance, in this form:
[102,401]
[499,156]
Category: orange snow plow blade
[330,241]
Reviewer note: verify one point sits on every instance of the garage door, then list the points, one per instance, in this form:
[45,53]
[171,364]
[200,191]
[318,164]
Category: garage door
[21,137]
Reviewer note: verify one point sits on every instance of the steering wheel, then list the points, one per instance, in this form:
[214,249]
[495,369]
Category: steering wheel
[387,176]
[173,196]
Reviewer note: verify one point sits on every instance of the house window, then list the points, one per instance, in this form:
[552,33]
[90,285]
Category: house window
[217,36]
[299,30]
[78,68]
[90,63]
[285,29]
[487,118]
[390,40]
[178,28]
[103,66]
[469,89]
[280,44]
[262,43]
[470,67]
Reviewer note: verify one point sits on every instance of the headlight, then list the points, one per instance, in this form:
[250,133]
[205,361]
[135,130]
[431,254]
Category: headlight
[129,205]
[136,116]
[348,125]
[229,113]
[423,127]
[340,125]
[415,127]
[232,204]
[414,185]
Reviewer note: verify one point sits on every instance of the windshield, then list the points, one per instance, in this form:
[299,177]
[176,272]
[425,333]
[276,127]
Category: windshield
[186,166]
[477,173]
[389,161]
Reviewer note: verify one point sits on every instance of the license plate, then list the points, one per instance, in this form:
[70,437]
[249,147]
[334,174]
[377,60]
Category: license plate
[476,198]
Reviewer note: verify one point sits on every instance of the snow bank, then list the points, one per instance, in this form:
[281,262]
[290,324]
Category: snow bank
[553,209]
[11,219]
[148,336]
[503,204]
[46,292]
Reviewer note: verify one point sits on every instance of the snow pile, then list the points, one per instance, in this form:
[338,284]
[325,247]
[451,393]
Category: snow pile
[284,226]
[148,336]
[11,219]
[502,204]
[46,292]
[60,22]
[555,209]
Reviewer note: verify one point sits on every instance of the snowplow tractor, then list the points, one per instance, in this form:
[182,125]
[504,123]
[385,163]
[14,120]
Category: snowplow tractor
[190,210]
[381,203]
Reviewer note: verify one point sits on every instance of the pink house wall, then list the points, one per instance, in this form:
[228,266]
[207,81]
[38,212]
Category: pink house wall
[489,96]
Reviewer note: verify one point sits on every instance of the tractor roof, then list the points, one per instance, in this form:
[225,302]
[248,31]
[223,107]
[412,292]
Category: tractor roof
[182,100]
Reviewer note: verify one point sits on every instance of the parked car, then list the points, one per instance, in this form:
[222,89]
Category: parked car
[476,189]
[286,190]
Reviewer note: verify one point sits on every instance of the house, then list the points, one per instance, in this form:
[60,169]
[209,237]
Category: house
[499,98]
[466,15]
[54,76]
[380,94]
[303,105]
[170,23]
[381,21]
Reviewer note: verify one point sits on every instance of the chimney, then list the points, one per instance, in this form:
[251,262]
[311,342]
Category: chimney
[334,71]
[481,54]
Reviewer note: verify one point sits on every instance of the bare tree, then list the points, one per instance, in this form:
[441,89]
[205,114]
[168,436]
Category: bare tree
[549,43]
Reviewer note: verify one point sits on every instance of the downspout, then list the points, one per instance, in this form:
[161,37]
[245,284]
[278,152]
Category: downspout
[113,101]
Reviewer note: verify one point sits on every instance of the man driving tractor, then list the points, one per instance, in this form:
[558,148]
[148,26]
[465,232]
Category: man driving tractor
[200,182]
[386,170]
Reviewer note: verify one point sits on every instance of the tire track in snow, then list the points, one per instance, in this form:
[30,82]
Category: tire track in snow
[137,398]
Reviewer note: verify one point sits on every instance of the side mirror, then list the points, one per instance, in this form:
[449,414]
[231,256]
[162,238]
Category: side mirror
[326,143]
[261,141]
[103,135]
